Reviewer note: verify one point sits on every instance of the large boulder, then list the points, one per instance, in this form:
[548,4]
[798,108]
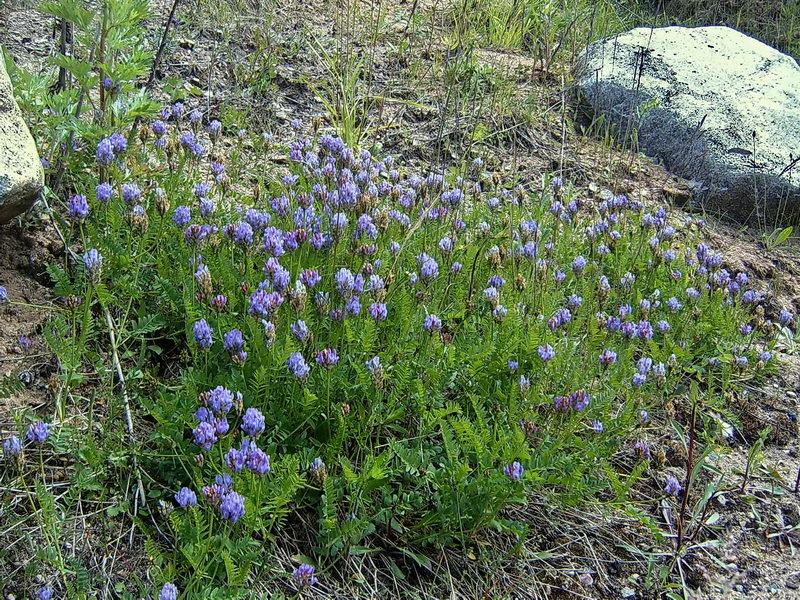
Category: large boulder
[713,105]
[21,175]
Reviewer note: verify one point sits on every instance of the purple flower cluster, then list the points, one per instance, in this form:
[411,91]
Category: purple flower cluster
[514,471]
[233,342]
[38,432]
[303,576]
[249,456]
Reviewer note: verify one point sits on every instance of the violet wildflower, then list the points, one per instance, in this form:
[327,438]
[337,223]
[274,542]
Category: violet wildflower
[206,207]
[546,353]
[327,358]
[3,295]
[243,234]
[579,400]
[608,357]
[374,364]
[672,486]
[353,306]
[181,216]
[300,331]
[118,143]
[310,278]
[214,128]
[432,324]
[205,435]
[253,422]
[159,128]
[499,313]
[263,304]
[78,208]
[491,295]
[345,282]
[38,432]
[513,365]
[186,498]
[765,356]
[26,343]
[44,593]
[236,459]
[524,384]
[131,193]
[750,297]
[232,507]
[168,592]
[597,426]
[785,318]
[12,447]
[456,267]
[257,460]
[644,330]
[377,311]
[221,399]
[514,471]
[92,264]
[578,265]
[446,245]
[103,192]
[644,364]
[105,152]
[561,318]
[201,189]
[303,576]
[233,342]
[219,302]
[641,449]
[203,334]
[319,470]
[297,365]
[627,281]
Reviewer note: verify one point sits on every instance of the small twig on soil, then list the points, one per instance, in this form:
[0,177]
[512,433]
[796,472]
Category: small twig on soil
[797,482]
[61,84]
[114,359]
[126,403]
[156,61]
[162,44]
[687,483]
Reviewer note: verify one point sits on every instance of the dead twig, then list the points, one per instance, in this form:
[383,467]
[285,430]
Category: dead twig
[114,359]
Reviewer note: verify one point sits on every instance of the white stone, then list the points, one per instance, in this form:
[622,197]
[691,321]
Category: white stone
[712,104]
[21,175]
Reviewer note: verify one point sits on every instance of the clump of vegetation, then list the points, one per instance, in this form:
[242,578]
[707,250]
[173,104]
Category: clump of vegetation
[380,357]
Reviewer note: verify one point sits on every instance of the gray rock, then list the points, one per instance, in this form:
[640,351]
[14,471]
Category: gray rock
[21,175]
[713,105]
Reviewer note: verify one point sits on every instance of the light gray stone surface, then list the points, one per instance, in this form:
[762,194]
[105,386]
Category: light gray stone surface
[713,105]
[21,175]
